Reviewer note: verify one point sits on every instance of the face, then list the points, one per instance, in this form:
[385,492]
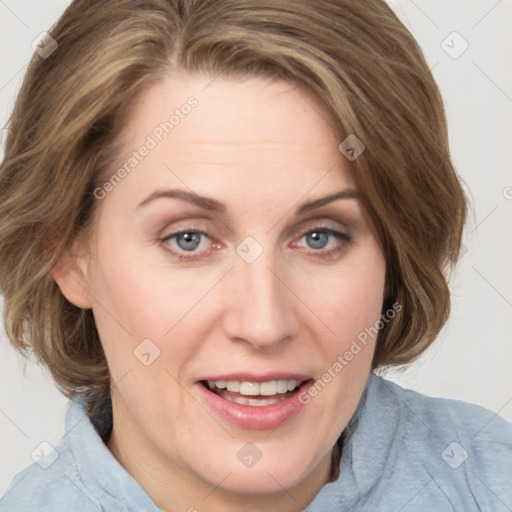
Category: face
[224,286]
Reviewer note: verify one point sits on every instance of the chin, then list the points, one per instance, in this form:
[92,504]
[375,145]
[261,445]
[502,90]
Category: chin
[266,473]
[258,482]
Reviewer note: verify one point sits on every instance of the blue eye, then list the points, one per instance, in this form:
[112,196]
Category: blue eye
[188,241]
[185,244]
[189,244]
[319,239]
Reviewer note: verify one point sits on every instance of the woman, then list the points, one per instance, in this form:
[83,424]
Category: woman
[221,219]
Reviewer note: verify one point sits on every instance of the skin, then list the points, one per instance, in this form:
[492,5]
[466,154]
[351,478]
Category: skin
[262,148]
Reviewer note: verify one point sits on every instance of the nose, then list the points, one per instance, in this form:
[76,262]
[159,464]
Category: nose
[261,308]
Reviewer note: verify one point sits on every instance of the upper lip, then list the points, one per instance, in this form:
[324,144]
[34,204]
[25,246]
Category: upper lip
[253,377]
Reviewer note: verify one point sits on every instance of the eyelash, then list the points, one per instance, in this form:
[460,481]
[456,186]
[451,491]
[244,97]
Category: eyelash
[344,241]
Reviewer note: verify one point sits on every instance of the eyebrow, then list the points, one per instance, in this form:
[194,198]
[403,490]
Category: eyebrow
[348,193]
[212,205]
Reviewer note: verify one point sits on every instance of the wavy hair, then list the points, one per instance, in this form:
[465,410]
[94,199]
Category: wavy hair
[356,57]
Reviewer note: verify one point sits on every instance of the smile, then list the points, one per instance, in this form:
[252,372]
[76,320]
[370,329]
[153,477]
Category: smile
[254,404]
[261,393]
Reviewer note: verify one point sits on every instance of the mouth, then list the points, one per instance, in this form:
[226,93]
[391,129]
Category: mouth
[254,403]
[254,394]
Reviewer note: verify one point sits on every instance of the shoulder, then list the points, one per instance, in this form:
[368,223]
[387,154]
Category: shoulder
[58,479]
[465,449]
[80,473]
[447,415]
[52,484]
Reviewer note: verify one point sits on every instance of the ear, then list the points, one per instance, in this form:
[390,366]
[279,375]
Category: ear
[70,274]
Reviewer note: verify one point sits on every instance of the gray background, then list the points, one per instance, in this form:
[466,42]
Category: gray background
[473,356]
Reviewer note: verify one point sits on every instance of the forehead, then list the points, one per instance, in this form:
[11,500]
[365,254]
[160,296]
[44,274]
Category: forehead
[211,135]
[242,109]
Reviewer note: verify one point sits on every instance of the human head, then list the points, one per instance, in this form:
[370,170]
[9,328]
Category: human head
[357,60]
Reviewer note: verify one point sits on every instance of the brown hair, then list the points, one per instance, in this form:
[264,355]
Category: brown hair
[356,57]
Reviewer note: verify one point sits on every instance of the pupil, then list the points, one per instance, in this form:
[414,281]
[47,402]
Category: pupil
[188,241]
[317,240]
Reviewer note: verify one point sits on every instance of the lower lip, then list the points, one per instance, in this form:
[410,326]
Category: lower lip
[265,417]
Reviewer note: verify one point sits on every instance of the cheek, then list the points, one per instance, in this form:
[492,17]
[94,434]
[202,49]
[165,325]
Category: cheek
[137,300]
[347,302]
[140,298]
[123,283]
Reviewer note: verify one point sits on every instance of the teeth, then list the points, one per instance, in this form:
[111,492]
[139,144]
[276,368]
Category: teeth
[255,403]
[268,388]
[246,388]
[232,386]
[292,384]
[249,388]
[282,386]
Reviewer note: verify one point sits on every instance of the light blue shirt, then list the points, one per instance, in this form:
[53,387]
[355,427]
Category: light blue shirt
[404,452]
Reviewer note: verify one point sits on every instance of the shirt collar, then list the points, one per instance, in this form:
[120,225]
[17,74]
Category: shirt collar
[369,449]
[97,468]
